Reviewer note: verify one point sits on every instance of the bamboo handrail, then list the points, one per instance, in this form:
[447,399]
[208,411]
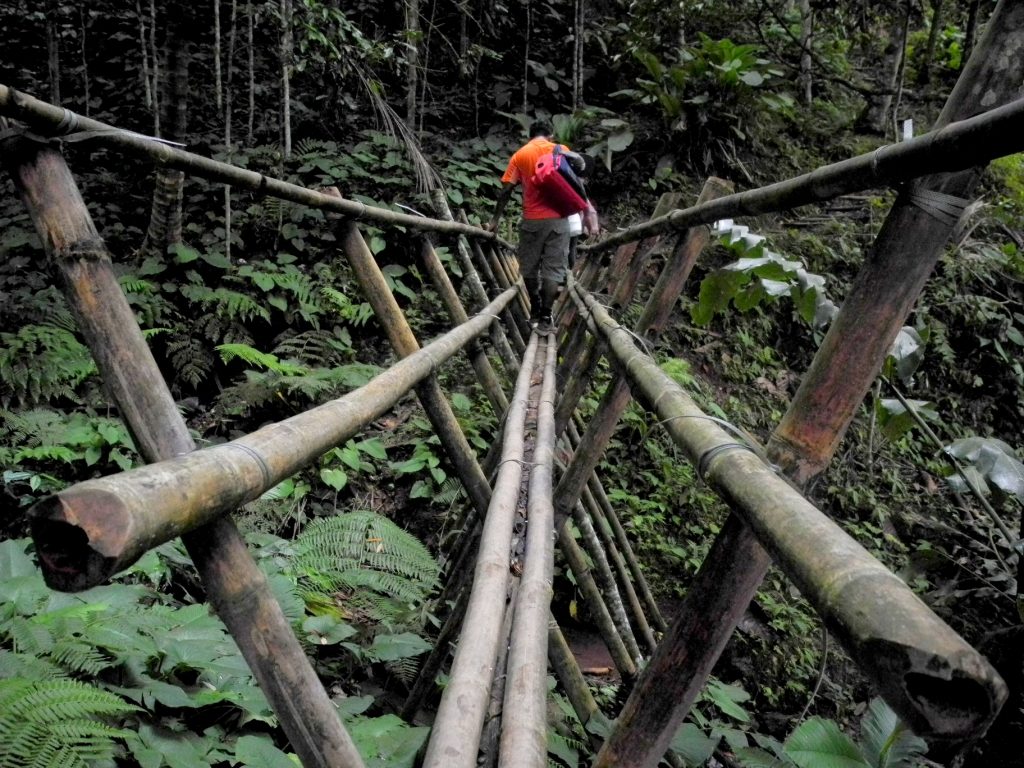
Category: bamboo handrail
[524,729]
[957,146]
[459,722]
[234,583]
[89,531]
[930,675]
[57,122]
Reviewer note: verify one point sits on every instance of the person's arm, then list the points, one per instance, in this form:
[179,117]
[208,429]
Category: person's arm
[499,207]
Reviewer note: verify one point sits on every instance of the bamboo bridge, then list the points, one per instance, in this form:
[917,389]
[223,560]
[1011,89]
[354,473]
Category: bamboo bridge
[506,638]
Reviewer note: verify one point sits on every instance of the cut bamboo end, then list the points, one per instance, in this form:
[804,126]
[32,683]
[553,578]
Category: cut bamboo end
[947,698]
[82,538]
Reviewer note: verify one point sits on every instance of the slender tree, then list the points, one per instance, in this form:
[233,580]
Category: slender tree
[250,23]
[147,89]
[165,216]
[924,73]
[85,60]
[53,48]
[287,52]
[806,39]
[412,59]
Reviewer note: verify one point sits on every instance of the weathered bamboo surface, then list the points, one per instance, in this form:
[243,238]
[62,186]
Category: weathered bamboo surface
[50,120]
[954,147]
[460,717]
[524,729]
[931,676]
[96,528]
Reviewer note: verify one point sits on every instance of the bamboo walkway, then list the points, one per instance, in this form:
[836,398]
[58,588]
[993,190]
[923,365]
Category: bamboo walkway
[504,637]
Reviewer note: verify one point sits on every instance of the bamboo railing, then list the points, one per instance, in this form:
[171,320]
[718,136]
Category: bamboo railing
[939,684]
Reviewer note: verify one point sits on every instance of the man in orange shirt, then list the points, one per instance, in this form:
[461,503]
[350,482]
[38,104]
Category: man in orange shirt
[543,232]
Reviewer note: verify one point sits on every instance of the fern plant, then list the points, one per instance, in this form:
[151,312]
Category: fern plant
[46,723]
[39,363]
[362,566]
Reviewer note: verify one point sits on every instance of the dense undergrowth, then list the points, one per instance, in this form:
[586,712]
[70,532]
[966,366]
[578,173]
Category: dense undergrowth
[257,321]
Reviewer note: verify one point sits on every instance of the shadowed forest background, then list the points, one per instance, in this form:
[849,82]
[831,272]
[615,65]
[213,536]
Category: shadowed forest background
[254,317]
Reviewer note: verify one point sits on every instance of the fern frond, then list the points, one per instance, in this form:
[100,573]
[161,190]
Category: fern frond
[264,360]
[79,656]
[191,359]
[57,722]
[226,303]
[28,666]
[383,567]
[42,362]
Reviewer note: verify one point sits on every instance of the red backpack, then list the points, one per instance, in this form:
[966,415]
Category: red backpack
[554,179]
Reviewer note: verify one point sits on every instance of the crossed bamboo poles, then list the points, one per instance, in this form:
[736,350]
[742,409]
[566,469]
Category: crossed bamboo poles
[941,686]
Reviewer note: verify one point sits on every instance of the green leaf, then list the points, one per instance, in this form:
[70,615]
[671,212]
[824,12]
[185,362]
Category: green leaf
[327,630]
[388,742]
[693,744]
[373,447]
[819,743]
[727,698]
[754,757]
[183,254]
[13,560]
[335,478]
[260,752]
[394,647]
[885,740]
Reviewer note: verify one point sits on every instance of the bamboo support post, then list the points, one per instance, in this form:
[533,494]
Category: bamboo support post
[605,579]
[464,253]
[592,595]
[399,333]
[478,359]
[935,680]
[514,320]
[626,549]
[642,628]
[88,532]
[460,716]
[236,586]
[524,723]
[509,276]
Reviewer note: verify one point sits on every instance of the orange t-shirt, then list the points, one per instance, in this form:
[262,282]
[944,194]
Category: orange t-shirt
[521,169]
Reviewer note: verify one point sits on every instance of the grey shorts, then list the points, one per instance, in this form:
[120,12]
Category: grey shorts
[544,248]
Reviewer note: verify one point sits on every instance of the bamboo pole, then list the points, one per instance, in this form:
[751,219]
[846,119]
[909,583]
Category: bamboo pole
[524,721]
[403,341]
[51,120]
[624,546]
[481,365]
[471,277]
[954,146]
[455,737]
[235,585]
[500,282]
[489,739]
[940,685]
[642,627]
[606,581]
[669,286]
[94,529]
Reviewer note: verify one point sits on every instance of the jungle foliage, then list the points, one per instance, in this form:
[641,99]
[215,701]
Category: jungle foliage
[253,317]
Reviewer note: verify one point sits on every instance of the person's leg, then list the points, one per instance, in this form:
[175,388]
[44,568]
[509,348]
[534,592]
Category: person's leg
[552,268]
[532,234]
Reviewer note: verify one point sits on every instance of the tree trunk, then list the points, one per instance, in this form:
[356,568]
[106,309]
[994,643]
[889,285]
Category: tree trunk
[806,40]
[218,82]
[85,62]
[227,127]
[146,86]
[53,48]
[412,58]
[154,53]
[900,73]
[526,55]
[873,118]
[971,33]
[577,59]
[252,74]
[924,74]
[286,73]
[165,216]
